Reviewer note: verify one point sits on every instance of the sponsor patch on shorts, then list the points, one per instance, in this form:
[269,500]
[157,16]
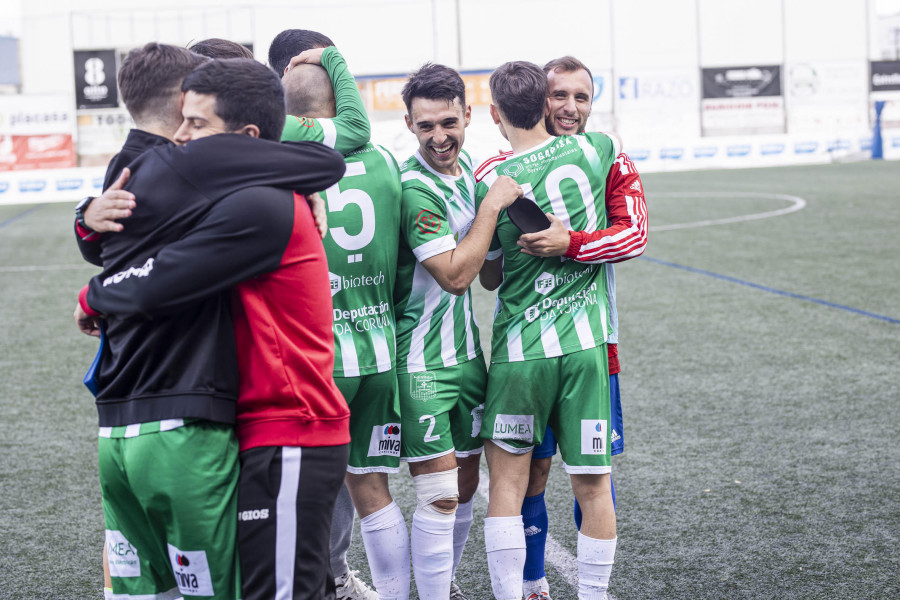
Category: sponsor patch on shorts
[477,416]
[123,557]
[422,386]
[514,427]
[385,440]
[191,570]
[593,436]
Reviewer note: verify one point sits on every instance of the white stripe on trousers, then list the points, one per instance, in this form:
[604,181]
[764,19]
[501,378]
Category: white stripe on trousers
[286,522]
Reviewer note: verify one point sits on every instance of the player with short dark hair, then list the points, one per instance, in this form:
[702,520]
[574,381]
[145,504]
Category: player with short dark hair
[364,215]
[211,219]
[219,48]
[570,92]
[551,327]
[441,370]
[291,42]
[242,96]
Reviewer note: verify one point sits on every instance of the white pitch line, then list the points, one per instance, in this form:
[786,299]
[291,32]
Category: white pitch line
[797,203]
[31,268]
[560,558]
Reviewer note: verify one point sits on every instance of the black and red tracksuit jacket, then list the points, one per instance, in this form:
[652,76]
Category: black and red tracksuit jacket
[208,218]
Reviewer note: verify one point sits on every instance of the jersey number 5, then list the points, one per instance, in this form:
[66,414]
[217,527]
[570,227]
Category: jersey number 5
[337,200]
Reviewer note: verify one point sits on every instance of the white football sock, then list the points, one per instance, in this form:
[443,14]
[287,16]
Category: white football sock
[595,561]
[504,540]
[432,552]
[386,540]
[461,531]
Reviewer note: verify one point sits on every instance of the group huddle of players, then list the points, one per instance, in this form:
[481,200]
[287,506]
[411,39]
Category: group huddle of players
[285,314]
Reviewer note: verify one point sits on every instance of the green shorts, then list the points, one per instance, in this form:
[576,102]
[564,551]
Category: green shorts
[170,505]
[374,422]
[569,392]
[441,411]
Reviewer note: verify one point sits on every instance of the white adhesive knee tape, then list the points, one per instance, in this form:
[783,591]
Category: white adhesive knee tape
[432,487]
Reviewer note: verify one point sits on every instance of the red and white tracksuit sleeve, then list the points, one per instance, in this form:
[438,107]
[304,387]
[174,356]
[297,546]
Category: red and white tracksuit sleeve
[626,210]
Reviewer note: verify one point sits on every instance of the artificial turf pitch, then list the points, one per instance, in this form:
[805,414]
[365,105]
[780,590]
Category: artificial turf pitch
[760,384]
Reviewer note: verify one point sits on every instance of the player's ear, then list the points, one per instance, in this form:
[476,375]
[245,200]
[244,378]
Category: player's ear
[468,114]
[409,124]
[251,130]
[495,114]
[547,107]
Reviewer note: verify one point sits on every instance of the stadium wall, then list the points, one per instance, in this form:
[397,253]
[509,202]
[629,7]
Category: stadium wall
[674,78]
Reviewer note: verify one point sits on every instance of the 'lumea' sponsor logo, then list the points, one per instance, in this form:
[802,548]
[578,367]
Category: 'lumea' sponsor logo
[514,427]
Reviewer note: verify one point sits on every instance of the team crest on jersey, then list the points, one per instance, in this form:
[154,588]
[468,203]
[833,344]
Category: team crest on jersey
[532,313]
[423,386]
[335,283]
[514,169]
[123,557]
[545,283]
[191,570]
[428,222]
[385,440]
[593,436]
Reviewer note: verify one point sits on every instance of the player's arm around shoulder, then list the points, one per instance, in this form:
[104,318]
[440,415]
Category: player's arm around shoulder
[244,235]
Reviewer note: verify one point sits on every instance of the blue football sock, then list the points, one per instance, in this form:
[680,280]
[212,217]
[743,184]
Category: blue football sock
[534,517]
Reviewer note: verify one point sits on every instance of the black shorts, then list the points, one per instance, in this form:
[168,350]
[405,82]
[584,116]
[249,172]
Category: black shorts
[285,502]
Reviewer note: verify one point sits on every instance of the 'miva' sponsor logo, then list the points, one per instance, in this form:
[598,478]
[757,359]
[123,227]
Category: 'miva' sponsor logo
[4,185]
[895,142]
[771,149]
[385,440]
[705,152]
[253,515]
[738,150]
[130,272]
[32,185]
[97,182]
[805,147]
[514,427]
[69,184]
[865,144]
[191,571]
[671,153]
[593,436]
[477,416]
[639,154]
[339,282]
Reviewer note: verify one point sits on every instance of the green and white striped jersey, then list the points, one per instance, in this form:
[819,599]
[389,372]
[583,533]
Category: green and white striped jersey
[361,246]
[350,128]
[548,307]
[435,328]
